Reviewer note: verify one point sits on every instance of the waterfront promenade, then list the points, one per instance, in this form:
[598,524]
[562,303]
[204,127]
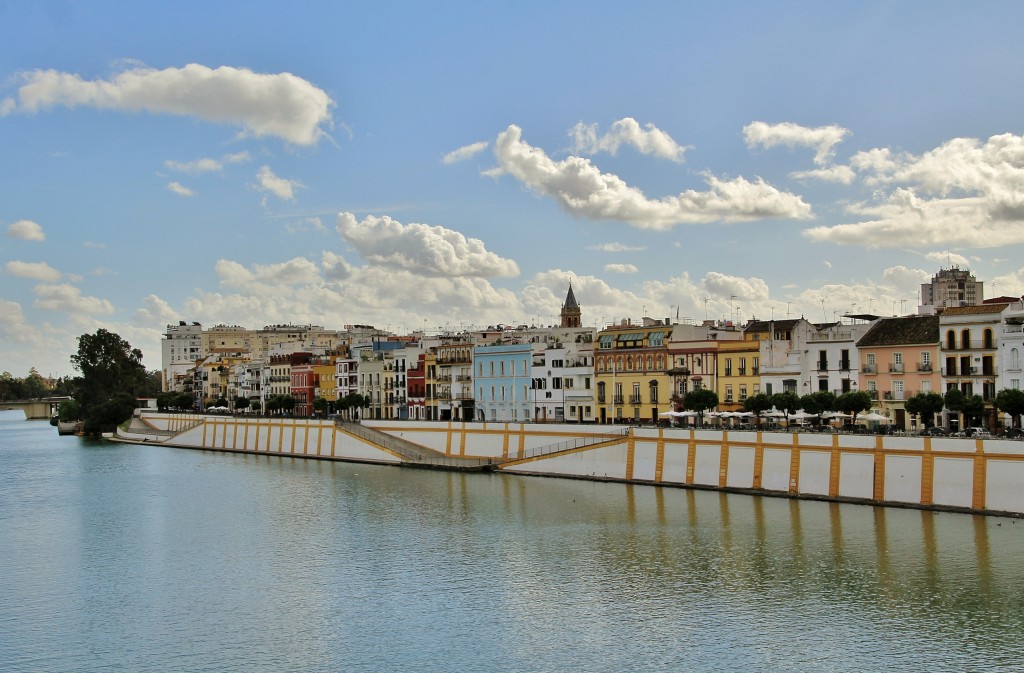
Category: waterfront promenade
[945,473]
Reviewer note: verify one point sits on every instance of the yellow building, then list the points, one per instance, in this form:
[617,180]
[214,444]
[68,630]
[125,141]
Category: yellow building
[631,364]
[738,373]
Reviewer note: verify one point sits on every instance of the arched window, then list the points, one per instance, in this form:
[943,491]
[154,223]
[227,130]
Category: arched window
[650,362]
[951,340]
[629,362]
[987,339]
[965,339]
[618,363]
[661,362]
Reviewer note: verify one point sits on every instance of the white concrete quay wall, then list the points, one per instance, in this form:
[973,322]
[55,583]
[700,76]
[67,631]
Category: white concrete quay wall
[979,475]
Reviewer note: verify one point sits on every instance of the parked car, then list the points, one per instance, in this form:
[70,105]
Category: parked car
[974,432]
[1012,433]
[934,431]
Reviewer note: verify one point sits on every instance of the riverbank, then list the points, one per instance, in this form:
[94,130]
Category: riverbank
[982,476]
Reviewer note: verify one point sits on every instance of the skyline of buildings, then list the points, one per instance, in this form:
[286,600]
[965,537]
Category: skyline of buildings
[630,371]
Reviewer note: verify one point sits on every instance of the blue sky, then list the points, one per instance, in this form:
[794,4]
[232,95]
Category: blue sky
[446,165]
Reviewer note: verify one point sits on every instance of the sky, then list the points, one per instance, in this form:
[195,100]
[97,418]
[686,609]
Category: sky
[440,166]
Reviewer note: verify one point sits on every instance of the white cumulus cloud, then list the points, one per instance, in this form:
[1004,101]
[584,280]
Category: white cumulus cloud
[948,258]
[615,247]
[68,298]
[179,189]
[821,139]
[627,131]
[282,105]
[620,268]
[206,164]
[26,230]
[296,271]
[582,189]
[422,249]
[966,192]
[35,270]
[282,188]
[464,152]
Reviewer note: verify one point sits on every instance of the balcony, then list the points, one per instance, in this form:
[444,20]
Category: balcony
[895,367]
[823,366]
[844,365]
[634,399]
[742,372]
[869,369]
[617,399]
[924,366]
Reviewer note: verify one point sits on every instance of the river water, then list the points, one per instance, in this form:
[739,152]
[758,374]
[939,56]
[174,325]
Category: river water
[126,558]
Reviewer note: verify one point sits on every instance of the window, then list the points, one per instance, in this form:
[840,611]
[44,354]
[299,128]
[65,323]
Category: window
[1014,358]
[897,389]
[871,358]
[897,358]
[728,366]
[743,392]
[965,339]
[728,393]
[951,340]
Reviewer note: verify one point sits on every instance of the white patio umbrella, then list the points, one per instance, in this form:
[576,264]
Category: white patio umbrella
[873,416]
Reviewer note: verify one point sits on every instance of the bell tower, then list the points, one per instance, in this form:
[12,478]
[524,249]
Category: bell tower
[571,311]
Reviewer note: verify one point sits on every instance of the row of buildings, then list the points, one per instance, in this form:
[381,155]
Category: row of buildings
[631,371]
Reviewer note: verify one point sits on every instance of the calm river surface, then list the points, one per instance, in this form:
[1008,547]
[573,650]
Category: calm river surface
[125,558]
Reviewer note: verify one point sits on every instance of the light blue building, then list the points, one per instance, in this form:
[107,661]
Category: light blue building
[502,383]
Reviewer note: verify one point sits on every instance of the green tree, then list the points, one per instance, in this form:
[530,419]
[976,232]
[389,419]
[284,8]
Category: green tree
[111,376]
[1011,401]
[241,403]
[853,402]
[34,385]
[786,402]
[957,402]
[818,403]
[320,406]
[700,400]
[757,405]
[925,405]
[69,411]
[974,409]
[184,402]
[352,402]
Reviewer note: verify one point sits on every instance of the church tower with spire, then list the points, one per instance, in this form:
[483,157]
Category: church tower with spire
[571,311]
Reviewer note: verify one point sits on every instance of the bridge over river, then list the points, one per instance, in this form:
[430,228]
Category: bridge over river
[39,409]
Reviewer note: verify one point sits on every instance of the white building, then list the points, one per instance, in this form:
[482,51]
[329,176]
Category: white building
[180,348]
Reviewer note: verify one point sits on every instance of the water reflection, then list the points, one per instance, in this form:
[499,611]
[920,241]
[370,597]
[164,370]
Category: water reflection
[162,559]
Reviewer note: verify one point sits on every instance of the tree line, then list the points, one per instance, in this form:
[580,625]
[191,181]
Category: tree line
[925,405]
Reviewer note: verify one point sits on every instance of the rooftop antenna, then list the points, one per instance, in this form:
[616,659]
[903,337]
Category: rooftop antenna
[824,316]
